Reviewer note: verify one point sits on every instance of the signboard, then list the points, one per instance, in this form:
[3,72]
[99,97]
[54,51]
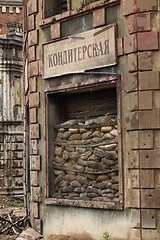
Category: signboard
[87,50]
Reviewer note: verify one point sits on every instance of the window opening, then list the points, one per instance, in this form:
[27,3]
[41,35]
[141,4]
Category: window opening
[83,158]
[55,7]
[85,162]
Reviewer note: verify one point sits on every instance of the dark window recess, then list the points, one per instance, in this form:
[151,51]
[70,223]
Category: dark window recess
[55,7]
[83,143]
[90,1]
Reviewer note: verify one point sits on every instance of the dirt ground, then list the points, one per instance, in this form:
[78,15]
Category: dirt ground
[8,237]
[61,237]
[52,237]
[10,209]
[14,208]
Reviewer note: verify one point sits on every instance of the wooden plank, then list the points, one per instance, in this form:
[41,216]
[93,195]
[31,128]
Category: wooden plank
[88,104]
[83,146]
[85,172]
[85,126]
[86,204]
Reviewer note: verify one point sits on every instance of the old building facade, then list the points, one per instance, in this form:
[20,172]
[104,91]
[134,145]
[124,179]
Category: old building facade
[11,98]
[92,117]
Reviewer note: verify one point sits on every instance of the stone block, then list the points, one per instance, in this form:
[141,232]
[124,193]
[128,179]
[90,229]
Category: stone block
[33,69]
[147,178]
[146,139]
[148,234]
[17,146]
[150,198]
[34,178]
[37,224]
[148,80]
[156,99]
[133,198]
[132,62]
[17,163]
[132,23]
[17,155]
[130,44]
[148,218]
[33,147]
[18,138]
[33,84]
[158,217]
[120,47]
[135,218]
[130,82]
[132,121]
[156,139]
[35,210]
[133,139]
[55,30]
[134,234]
[18,181]
[34,100]
[32,7]
[31,22]
[33,38]
[32,54]
[139,22]
[145,6]
[36,194]
[147,41]
[35,162]
[157,178]
[143,21]
[149,120]
[145,100]
[145,61]
[128,7]
[2,155]
[132,101]
[99,17]
[16,172]
[33,115]
[34,131]
[132,159]
[149,159]
[133,179]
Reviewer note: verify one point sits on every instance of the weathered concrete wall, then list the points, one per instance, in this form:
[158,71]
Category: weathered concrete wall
[88,224]
[138,57]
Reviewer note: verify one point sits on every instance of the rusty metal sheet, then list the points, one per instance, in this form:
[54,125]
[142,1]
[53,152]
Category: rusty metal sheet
[29,234]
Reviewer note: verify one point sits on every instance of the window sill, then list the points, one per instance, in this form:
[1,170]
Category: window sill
[68,14]
[84,204]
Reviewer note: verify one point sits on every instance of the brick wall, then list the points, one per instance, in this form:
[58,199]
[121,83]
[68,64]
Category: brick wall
[141,84]
[9,14]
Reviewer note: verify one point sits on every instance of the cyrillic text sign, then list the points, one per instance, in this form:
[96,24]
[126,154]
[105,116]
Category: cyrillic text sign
[87,50]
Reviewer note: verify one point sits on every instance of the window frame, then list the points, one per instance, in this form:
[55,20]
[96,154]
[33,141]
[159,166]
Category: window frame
[45,21]
[105,81]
